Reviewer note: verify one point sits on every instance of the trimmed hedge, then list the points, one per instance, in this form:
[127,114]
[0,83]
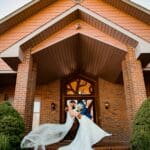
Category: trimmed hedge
[11,127]
[141,128]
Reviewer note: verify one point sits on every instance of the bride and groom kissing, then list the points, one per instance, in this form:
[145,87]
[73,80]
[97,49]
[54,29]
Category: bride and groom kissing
[87,135]
[80,108]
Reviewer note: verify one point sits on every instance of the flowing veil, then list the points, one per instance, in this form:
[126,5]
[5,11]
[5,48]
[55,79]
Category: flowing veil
[47,134]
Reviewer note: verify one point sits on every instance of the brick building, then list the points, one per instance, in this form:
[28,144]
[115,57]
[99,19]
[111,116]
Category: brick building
[52,51]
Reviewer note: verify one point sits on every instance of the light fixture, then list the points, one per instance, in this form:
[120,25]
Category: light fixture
[53,106]
[107,105]
[78,26]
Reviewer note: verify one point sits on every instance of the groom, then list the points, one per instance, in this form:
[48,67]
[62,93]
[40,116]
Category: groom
[84,110]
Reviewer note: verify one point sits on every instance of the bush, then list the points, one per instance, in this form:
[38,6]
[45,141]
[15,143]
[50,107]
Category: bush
[4,142]
[11,126]
[141,128]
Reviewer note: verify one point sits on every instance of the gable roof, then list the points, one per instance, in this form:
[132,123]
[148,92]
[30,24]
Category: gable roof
[14,53]
[36,5]
[102,23]
[52,11]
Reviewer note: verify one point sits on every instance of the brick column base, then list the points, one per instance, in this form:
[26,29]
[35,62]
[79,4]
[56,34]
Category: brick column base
[25,88]
[134,85]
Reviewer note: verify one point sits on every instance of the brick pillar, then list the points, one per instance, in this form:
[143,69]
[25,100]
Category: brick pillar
[25,88]
[134,85]
[2,97]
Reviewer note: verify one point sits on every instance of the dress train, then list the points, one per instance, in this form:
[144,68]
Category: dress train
[87,135]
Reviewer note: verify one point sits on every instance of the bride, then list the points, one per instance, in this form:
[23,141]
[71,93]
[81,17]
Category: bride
[87,135]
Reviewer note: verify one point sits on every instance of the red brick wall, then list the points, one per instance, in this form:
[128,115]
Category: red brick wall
[134,85]
[148,89]
[48,94]
[7,92]
[25,88]
[113,119]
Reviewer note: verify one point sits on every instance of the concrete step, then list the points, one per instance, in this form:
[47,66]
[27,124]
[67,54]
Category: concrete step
[99,146]
[55,147]
[112,148]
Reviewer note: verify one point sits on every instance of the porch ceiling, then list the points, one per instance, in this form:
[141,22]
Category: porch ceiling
[79,53]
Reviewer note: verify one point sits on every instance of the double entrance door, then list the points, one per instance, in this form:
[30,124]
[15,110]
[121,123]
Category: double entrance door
[78,88]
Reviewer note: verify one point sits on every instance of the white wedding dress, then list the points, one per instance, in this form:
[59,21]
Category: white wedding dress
[87,135]
[47,134]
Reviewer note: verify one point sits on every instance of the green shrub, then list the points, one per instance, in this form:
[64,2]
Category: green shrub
[11,125]
[4,142]
[141,128]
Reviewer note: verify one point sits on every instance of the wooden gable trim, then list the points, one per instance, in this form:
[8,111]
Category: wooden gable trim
[36,5]
[132,9]
[14,50]
[71,30]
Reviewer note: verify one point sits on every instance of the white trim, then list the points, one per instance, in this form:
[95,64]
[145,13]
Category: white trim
[14,50]
[80,33]
[146,69]
[7,72]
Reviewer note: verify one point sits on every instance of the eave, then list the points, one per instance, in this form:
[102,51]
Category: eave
[23,13]
[15,51]
[132,9]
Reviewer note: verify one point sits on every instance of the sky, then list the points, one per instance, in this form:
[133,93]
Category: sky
[144,3]
[9,6]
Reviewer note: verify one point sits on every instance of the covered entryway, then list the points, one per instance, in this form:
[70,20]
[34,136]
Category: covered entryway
[77,58]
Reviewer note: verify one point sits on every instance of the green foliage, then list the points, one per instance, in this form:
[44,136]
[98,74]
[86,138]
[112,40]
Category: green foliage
[4,142]
[11,126]
[141,128]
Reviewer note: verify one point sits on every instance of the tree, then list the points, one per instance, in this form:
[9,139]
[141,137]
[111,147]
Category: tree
[11,127]
[141,128]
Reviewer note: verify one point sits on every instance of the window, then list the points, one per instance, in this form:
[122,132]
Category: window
[79,86]
[36,113]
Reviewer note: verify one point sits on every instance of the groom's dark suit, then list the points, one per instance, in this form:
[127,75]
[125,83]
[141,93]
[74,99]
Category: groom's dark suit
[85,111]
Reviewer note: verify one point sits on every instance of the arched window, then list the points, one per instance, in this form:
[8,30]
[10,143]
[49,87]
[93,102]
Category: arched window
[79,87]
